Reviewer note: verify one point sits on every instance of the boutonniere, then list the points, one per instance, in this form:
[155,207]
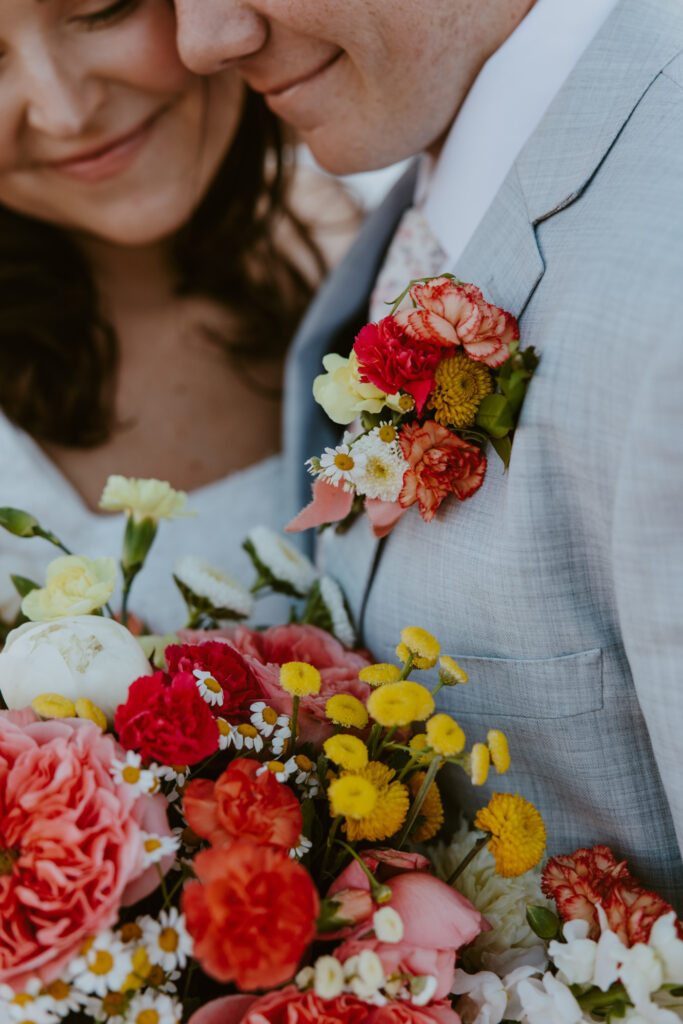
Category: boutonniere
[431,385]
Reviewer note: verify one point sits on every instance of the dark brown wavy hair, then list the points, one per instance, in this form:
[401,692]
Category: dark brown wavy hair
[58,354]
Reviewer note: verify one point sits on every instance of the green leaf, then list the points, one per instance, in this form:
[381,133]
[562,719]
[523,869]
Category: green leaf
[503,446]
[495,416]
[24,586]
[543,922]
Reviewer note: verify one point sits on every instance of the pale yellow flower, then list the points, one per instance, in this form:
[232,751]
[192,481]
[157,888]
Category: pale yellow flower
[299,678]
[74,586]
[143,499]
[343,395]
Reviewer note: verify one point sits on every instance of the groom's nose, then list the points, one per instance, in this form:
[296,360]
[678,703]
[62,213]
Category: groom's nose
[213,33]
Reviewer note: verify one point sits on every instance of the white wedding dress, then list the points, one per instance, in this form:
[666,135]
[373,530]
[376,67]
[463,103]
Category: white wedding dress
[226,510]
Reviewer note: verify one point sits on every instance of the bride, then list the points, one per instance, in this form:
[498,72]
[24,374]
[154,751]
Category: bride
[151,275]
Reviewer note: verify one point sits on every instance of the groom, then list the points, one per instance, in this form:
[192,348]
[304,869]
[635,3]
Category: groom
[552,178]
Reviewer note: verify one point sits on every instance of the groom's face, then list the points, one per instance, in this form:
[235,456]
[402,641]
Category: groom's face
[364,82]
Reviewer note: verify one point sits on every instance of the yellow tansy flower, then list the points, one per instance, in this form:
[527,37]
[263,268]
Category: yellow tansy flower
[389,812]
[431,810]
[517,833]
[421,644]
[399,704]
[53,705]
[86,709]
[347,751]
[445,735]
[345,709]
[378,675]
[460,384]
[480,760]
[450,673]
[418,743]
[498,747]
[352,796]
[299,678]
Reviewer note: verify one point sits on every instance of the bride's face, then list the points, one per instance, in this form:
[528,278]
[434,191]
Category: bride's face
[102,129]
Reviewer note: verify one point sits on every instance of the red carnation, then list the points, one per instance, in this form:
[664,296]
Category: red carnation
[229,669]
[392,359]
[167,720]
[440,464]
[251,914]
[242,804]
[593,877]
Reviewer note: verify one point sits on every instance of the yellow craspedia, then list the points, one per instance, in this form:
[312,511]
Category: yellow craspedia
[353,796]
[399,704]
[347,751]
[86,709]
[499,750]
[378,675]
[445,735]
[460,384]
[431,810]
[143,498]
[299,678]
[388,814]
[517,833]
[345,709]
[450,673]
[480,760]
[53,705]
[421,644]
[74,585]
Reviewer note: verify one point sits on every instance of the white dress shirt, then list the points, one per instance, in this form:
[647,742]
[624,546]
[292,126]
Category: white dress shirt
[503,107]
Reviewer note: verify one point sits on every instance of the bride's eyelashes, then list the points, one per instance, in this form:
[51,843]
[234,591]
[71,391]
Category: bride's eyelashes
[109,14]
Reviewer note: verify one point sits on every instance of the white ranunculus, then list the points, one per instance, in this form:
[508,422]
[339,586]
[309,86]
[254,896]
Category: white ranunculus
[80,656]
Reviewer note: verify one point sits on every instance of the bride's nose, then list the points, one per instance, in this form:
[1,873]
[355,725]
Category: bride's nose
[59,100]
[215,33]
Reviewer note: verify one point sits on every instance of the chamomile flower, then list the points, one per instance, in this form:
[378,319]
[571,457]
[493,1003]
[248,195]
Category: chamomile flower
[379,469]
[245,737]
[167,940]
[65,998]
[157,847]
[130,772]
[28,1005]
[224,728]
[276,768]
[209,688]
[104,964]
[338,464]
[266,719]
[280,740]
[301,849]
[154,1007]
[304,773]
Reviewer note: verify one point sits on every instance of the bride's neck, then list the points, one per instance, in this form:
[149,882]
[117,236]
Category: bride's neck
[130,277]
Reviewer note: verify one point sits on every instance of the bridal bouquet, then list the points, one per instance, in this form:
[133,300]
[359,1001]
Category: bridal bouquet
[431,385]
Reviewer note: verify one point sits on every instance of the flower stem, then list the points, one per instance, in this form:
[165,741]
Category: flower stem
[419,800]
[330,843]
[405,671]
[293,721]
[479,845]
[162,882]
[377,890]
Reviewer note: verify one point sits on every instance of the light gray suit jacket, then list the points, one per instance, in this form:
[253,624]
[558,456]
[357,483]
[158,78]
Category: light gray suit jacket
[559,585]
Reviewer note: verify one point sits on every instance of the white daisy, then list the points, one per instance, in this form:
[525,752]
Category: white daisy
[278,562]
[65,998]
[301,849]
[276,768]
[304,773]
[380,470]
[266,719]
[130,772]
[214,587]
[245,737]
[224,728]
[27,1005]
[167,941]
[280,739]
[210,689]
[333,598]
[142,1005]
[103,966]
[157,847]
[337,465]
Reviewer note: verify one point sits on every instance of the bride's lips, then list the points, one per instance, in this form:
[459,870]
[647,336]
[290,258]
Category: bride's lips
[279,97]
[110,159]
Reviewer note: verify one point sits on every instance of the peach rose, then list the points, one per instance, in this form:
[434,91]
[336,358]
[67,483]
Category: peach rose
[71,843]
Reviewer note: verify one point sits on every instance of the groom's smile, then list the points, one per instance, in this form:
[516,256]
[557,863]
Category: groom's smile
[365,82]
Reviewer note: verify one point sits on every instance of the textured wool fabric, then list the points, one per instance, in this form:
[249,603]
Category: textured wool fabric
[559,585]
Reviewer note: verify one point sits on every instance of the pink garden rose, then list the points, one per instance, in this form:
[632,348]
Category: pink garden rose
[265,652]
[440,464]
[71,843]
[290,1006]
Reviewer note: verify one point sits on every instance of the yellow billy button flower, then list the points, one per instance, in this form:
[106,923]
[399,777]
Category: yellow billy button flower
[378,675]
[86,709]
[299,678]
[498,748]
[445,735]
[347,751]
[450,673]
[480,760]
[399,704]
[517,833]
[345,709]
[418,744]
[390,810]
[421,644]
[460,385]
[431,810]
[352,796]
[53,705]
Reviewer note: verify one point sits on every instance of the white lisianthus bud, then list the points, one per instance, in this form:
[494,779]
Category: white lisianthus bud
[85,656]
[305,978]
[329,977]
[370,970]
[388,925]
[422,989]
